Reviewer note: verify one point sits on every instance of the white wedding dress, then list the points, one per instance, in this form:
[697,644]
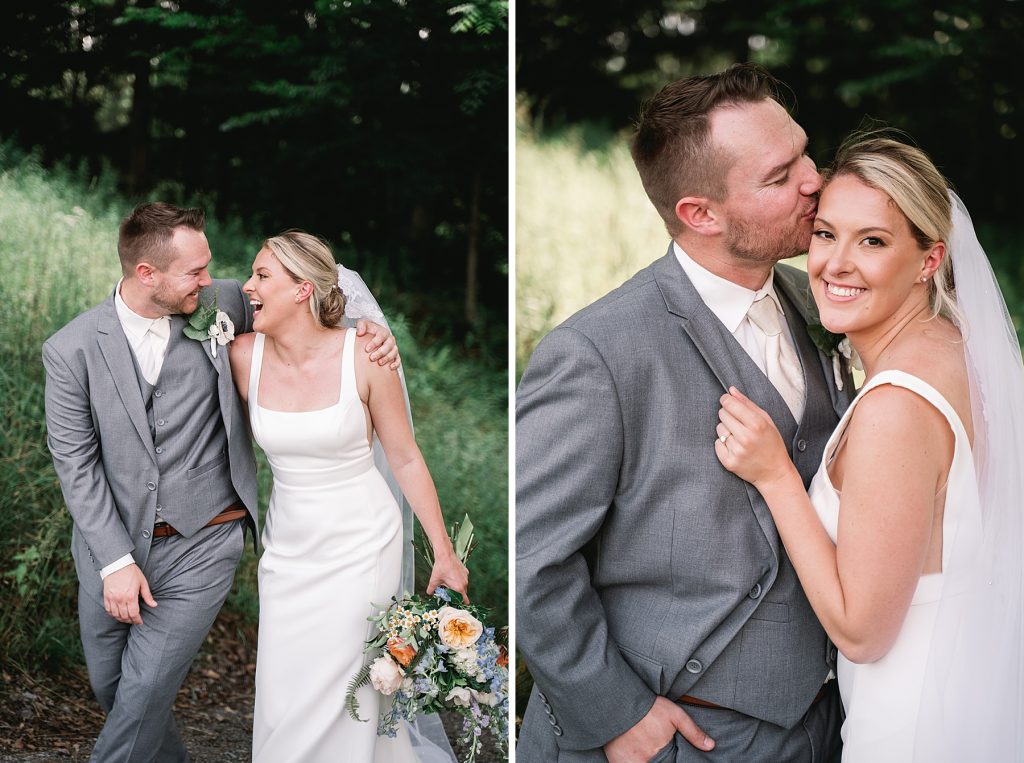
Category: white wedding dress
[882,698]
[332,545]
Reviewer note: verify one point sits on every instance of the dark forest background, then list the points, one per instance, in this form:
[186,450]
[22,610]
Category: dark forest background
[948,73]
[381,126]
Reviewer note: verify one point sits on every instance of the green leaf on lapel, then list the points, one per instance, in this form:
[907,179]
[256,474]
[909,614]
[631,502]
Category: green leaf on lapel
[825,340]
[201,319]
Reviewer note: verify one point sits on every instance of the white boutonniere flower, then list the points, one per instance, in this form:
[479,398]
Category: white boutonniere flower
[210,322]
[836,346]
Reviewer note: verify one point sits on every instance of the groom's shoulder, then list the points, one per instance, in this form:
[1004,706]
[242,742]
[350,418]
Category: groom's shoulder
[636,296]
[72,333]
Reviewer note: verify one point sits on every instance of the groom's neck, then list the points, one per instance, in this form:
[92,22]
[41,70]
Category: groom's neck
[136,296]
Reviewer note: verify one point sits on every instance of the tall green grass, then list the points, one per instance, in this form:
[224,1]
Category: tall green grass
[58,234]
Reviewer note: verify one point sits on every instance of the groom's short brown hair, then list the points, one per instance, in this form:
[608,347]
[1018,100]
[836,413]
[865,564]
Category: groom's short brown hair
[145,234]
[672,147]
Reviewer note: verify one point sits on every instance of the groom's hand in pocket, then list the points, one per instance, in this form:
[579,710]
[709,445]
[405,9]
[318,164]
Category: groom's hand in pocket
[121,593]
[654,731]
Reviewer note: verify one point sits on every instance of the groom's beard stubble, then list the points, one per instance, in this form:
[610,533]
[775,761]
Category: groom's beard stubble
[759,243]
[166,300]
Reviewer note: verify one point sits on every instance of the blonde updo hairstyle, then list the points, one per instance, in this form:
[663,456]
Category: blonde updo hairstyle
[308,258]
[907,176]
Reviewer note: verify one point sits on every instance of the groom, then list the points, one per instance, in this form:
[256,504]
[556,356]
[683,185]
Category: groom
[656,608]
[152,449]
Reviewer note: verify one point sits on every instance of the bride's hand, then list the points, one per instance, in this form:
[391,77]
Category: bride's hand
[752,447]
[449,572]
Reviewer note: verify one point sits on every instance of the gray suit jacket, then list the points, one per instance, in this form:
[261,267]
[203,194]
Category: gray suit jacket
[102,444]
[644,568]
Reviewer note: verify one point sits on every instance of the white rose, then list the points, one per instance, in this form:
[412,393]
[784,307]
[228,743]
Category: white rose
[385,675]
[459,696]
[485,697]
[458,629]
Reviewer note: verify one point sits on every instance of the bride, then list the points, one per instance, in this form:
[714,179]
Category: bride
[909,544]
[333,539]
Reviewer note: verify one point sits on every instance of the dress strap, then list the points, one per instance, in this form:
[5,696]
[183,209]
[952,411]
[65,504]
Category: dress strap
[254,370]
[348,366]
[923,389]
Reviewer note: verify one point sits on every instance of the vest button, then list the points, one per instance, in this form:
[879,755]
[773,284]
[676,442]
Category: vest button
[151,485]
[801,445]
[145,533]
[694,666]
[755,591]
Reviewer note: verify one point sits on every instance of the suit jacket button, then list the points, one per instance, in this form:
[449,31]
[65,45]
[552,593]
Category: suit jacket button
[557,730]
[145,533]
[801,445]
[151,485]
[551,719]
[160,422]
[158,393]
[833,653]
[694,666]
[755,591]
[159,450]
[542,697]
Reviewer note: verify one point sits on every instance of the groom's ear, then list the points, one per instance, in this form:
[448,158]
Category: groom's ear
[144,273]
[696,214]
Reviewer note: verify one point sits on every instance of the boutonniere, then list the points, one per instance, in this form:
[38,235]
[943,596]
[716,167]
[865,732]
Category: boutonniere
[210,322]
[837,347]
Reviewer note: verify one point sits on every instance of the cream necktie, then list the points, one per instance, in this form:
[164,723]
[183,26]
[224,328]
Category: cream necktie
[153,347]
[782,366]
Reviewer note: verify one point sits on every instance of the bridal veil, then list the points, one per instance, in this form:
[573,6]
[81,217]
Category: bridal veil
[972,706]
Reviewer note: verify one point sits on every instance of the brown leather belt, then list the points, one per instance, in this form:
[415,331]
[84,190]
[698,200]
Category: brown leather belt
[686,699]
[230,514]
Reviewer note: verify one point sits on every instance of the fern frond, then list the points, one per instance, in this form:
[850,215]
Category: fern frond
[359,680]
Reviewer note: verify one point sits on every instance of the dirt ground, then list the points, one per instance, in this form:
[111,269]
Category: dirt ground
[56,719]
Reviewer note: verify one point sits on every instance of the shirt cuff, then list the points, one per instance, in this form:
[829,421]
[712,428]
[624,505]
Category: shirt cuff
[116,565]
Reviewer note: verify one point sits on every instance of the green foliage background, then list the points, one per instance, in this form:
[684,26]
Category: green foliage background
[58,232]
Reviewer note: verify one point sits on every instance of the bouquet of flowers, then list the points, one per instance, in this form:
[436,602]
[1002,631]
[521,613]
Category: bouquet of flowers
[438,652]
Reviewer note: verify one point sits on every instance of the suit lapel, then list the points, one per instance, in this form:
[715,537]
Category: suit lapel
[225,384]
[721,351]
[116,353]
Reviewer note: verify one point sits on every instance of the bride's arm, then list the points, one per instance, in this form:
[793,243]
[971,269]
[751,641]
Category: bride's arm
[240,356]
[895,459]
[381,389]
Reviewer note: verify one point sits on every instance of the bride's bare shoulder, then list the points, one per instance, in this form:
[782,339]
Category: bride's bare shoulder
[937,357]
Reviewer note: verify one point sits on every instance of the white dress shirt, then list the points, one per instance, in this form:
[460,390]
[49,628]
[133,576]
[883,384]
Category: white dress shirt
[730,302]
[149,348]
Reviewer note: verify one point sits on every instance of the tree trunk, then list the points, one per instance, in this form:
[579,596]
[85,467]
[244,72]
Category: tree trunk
[140,127]
[471,312]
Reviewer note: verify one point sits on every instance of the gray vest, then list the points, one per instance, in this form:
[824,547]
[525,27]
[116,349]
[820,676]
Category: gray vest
[740,674]
[185,422]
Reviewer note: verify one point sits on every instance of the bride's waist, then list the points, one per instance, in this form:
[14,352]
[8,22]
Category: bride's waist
[299,476]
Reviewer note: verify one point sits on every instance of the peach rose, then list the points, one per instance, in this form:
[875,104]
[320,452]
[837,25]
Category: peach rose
[401,651]
[458,629]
